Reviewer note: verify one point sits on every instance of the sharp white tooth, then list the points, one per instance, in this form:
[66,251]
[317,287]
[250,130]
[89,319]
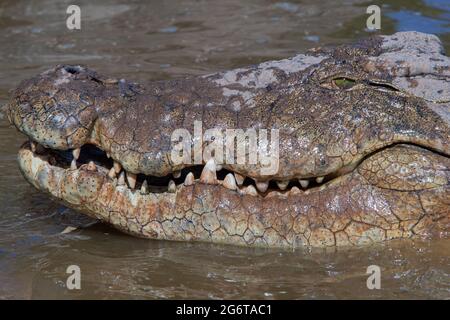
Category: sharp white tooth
[33,146]
[294,190]
[319,179]
[239,179]
[36,147]
[40,148]
[189,180]
[282,184]
[117,167]
[218,167]
[304,183]
[172,188]
[131,178]
[76,153]
[250,190]
[208,175]
[121,181]
[262,185]
[108,155]
[176,174]
[73,165]
[144,187]
[91,166]
[112,173]
[229,182]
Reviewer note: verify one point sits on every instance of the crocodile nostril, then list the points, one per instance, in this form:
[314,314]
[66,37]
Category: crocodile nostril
[73,69]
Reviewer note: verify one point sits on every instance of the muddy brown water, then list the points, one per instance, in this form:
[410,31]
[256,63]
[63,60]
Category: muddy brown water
[147,40]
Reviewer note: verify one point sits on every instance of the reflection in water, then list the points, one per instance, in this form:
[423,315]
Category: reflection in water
[147,40]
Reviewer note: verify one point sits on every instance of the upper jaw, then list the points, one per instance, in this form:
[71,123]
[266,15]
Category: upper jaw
[66,110]
[324,130]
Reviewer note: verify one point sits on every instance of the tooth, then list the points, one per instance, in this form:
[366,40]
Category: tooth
[36,147]
[117,167]
[262,185]
[91,166]
[218,167]
[121,180]
[319,179]
[33,146]
[283,184]
[304,183]
[275,194]
[73,165]
[112,173]
[131,178]
[108,155]
[239,179]
[176,174]
[172,188]
[229,182]
[144,187]
[250,190]
[76,153]
[294,190]
[208,175]
[189,180]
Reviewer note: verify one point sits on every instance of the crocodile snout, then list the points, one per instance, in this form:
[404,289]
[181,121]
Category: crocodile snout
[56,108]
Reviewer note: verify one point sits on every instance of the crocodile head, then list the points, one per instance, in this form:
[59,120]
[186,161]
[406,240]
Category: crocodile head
[334,147]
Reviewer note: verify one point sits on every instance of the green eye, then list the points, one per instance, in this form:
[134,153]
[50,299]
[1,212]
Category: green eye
[344,83]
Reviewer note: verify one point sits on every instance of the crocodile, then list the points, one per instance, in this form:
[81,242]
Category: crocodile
[360,155]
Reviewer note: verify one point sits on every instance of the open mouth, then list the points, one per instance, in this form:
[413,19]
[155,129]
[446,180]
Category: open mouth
[96,159]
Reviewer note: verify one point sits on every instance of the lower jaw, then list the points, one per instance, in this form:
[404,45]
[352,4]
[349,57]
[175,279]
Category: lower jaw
[347,212]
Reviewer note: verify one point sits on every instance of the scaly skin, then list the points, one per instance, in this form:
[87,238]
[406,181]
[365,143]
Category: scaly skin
[380,140]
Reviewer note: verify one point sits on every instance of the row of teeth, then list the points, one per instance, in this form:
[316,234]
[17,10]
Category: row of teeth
[232,181]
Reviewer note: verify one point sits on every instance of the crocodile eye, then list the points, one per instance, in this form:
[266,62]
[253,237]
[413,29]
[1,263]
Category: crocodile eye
[338,83]
[343,83]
